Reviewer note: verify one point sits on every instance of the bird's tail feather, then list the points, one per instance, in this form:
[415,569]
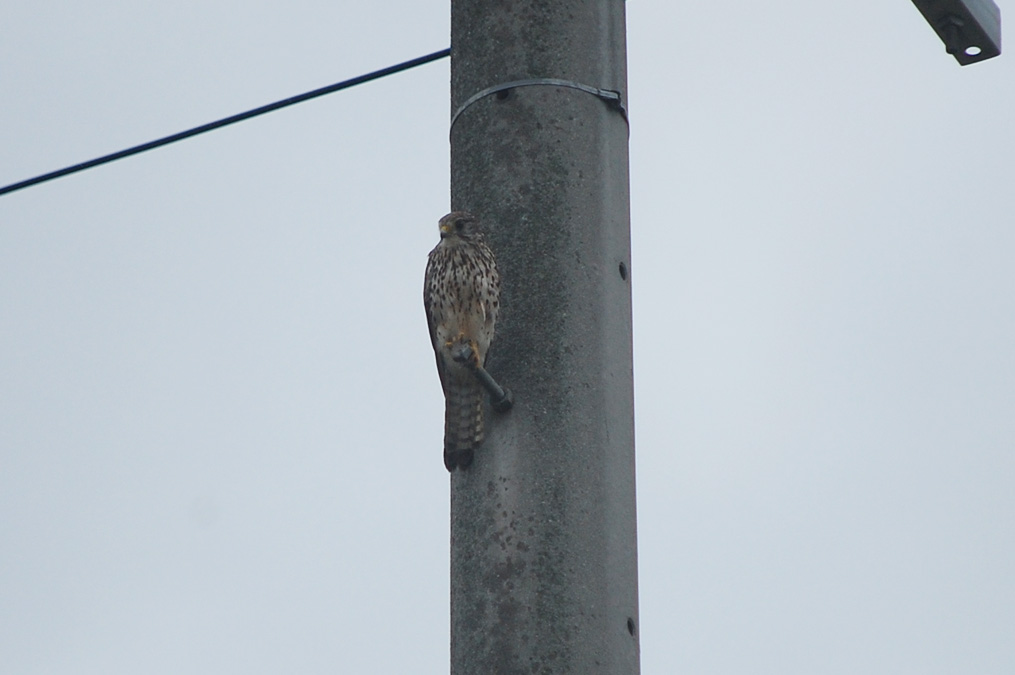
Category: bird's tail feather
[463,422]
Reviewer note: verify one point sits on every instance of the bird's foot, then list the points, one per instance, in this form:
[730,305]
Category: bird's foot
[451,343]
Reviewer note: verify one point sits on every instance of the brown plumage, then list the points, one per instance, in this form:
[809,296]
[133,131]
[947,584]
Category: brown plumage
[461,292]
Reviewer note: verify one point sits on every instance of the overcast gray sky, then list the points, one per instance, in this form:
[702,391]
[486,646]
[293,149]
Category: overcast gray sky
[220,422]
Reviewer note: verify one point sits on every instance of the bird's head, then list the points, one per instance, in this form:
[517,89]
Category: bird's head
[459,224]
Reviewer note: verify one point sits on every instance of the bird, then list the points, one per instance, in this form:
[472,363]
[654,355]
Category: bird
[461,296]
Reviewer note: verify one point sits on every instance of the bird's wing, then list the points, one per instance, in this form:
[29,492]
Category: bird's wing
[430,323]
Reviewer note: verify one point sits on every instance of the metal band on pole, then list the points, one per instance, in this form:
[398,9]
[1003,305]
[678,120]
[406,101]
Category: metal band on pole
[610,96]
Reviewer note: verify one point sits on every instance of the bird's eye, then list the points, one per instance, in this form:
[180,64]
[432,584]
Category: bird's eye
[459,224]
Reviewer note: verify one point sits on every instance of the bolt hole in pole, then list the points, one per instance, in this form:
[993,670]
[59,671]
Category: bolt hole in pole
[623,271]
[630,626]
[973,51]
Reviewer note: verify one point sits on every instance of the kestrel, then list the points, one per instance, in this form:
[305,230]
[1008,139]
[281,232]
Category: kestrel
[461,292]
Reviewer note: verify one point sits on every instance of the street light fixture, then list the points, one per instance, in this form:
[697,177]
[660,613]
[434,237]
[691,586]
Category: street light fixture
[970,29]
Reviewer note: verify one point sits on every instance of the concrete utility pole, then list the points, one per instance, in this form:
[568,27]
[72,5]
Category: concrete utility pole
[543,541]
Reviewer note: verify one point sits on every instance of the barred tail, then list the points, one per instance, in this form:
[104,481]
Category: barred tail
[463,422]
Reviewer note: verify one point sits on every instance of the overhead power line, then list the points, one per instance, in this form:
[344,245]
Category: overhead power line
[225,121]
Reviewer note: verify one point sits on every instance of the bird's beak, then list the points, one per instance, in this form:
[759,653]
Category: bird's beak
[445,229]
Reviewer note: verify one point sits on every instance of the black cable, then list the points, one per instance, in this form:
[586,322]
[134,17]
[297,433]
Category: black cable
[390,70]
